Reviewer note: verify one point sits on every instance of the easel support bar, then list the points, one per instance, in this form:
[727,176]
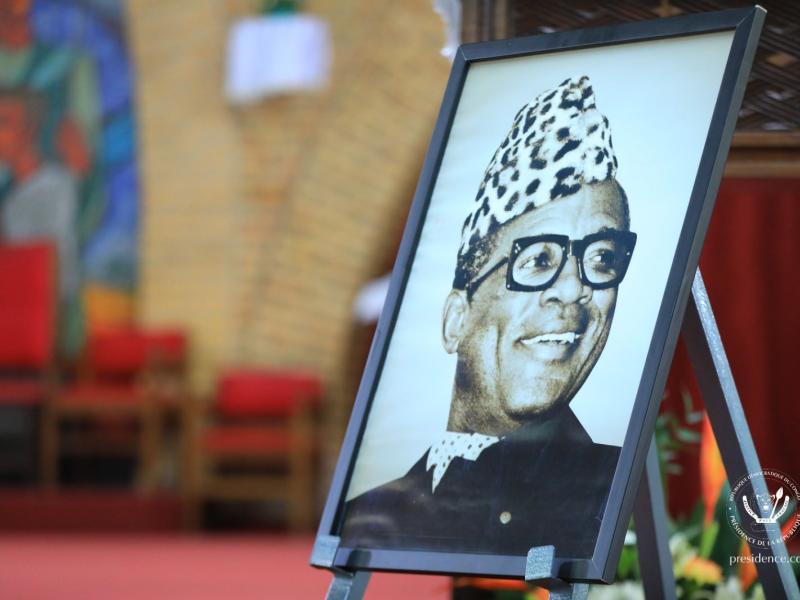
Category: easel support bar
[652,540]
[728,421]
[347,585]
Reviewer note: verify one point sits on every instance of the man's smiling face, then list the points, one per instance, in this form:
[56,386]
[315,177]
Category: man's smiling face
[521,354]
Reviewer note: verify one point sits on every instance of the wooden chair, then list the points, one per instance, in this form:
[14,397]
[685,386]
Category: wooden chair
[166,380]
[120,381]
[255,440]
[28,300]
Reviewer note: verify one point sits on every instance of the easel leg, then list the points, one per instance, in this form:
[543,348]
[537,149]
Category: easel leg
[652,542]
[731,431]
[348,585]
[573,591]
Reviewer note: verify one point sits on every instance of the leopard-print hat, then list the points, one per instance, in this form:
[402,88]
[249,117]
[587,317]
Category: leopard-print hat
[557,143]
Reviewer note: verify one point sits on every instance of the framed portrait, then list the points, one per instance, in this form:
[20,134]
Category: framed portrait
[511,391]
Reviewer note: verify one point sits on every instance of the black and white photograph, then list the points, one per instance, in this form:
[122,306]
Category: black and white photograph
[512,368]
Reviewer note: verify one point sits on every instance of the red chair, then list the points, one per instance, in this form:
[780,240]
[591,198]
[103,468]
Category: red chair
[255,441]
[27,325]
[126,377]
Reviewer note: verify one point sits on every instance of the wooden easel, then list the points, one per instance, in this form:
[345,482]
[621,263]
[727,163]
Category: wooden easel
[738,452]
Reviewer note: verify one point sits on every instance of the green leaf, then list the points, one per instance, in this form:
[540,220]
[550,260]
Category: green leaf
[728,543]
[627,563]
[707,539]
[696,516]
[688,436]
[693,418]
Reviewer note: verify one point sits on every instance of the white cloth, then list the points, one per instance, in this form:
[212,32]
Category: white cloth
[276,54]
[369,302]
[455,445]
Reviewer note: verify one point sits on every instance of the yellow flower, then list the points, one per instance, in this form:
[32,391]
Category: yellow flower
[701,571]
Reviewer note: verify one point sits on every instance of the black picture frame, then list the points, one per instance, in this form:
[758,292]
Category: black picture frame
[746,24]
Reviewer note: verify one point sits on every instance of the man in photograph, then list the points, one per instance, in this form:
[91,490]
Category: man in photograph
[543,252]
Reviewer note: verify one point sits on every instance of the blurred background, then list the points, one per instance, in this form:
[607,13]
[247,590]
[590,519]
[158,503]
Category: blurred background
[199,204]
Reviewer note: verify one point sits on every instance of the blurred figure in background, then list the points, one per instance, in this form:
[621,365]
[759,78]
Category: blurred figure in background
[39,197]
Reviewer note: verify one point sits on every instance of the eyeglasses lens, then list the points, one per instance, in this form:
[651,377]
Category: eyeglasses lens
[537,263]
[604,261]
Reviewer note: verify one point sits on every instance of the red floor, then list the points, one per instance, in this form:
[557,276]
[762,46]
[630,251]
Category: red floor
[172,567]
[88,511]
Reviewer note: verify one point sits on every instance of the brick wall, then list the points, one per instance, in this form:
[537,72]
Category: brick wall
[260,224]
[191,176]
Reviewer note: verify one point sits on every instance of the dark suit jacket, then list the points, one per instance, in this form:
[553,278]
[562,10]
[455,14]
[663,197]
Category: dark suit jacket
[544,484]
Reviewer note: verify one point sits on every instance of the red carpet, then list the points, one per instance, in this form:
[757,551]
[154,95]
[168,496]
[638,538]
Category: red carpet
[171,567]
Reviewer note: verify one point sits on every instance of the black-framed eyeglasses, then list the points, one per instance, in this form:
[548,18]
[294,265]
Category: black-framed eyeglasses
[536,262]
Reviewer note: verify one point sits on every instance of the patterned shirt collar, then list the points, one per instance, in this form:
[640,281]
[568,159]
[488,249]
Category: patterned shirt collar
[455,445]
